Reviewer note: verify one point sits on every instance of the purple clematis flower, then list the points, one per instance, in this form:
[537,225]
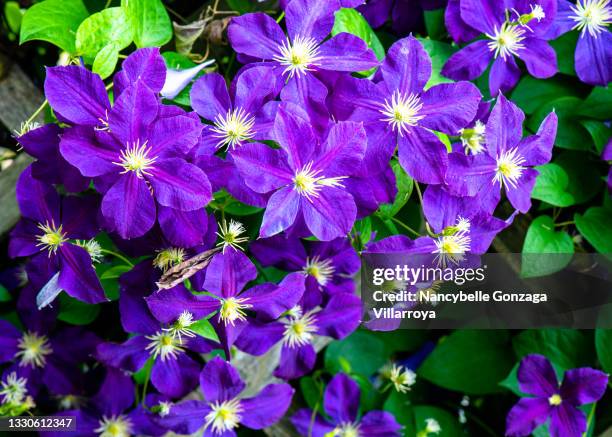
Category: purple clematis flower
[135,149]
[341,404]
[223,410]
[593,57]
[226,276]
[174,373]
[109,411]
[243,114]
[607,156]
[329,267]
[43,144]
[54,232]
[559,402]
[397,111]
[306,174]
[506,161]
[296,330]
[512,28]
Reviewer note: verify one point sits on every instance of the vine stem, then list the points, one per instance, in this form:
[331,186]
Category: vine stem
[405,226]
[280,17]
[38,111]
[118,255]
[145,386]
[569,222]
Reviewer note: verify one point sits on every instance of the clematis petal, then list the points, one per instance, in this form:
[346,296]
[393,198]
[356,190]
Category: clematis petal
[267,407]
[175,377]
[293,131]
[567,421]
[186,417]
[254,87]
[77,94]
[256,35]
[346,52]
[583,386]
[77,275]
[280,213]
[174,136]
[593,57]
[458,29]
[229,272]
[536,376]
[304,423]
[343,149]
[167,305]
[483,15]
[537,149]
[180,185]
[183,228]
[133,113]
[449,107]
[379,424]
[539,57]
[520,196]
[9,337]
[37,201]
[146,65]
[264,169]
[527,415]
[423,156]
[310,18]
[128,205]
[295,362]
[259,337]
[81,148]
[504,127]
[220,381]
[469,62]
[330,214]
[504,75]
[116,393]
[272,300]
[130,355]
[341,316]
[407,67]
[24,240]
[209,96]
[341,400]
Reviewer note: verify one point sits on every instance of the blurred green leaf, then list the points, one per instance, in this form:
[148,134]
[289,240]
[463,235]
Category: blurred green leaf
[469,361]
[54,21]
[542,238]
[584,181]
[531,93]
[565,46]
[603,344]
[150,22]
[106,60]
[570,135]
[13,15]
[596,226]
[363,352]
[205,329]
[5,296]
[551,185]
[598,104]
[599,132]
[102,28]
[75,312]
[439,52]
[567,348]
[404,185]
[434,24]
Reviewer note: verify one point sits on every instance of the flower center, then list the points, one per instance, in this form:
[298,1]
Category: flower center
[298,57]
[114,426]
[93,248]
[224,416]
[51,238]
[33,350]
[402,111]
[164,408]
[169,258]
[299,329]
[592,16]
[346,430]
[509,168]
[452,248]
[230,235]
[135,157]
[13,389]
[308,183]
[181,326]
[401,378]
[322,271]
[164,344]
[473,139]
[507,40]
[555,400]
[233,129]
[232,309]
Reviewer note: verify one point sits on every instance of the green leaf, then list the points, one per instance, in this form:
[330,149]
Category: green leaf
[312,392]
[439,52]
[567,348]
[531,93]
[570,135]
[584,182]
[451,364]
[599,132]
[405,185]
[449,426]
[350,21]
[75,312]
[598,104]
[362,351]
[54,21]
[596,226]
[551,186]
[603,345]
[5,296]
[144,372]
[565,46]
[102,28]
[149,21]
[400,406]
[115,271]
[205,329]
[13,15]
[542,238]
[434,24]
[241,6]
[106,60]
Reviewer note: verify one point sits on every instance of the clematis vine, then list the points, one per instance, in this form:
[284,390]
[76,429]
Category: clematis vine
[594,48]
[306,175]
[549,399]
[398,111]
[511,29]
[341,404]
[506,161]
[223,409]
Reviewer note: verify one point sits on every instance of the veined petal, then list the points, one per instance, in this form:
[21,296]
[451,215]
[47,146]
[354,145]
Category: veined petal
[503,76]
[295,361]
[483,15]
[183,228]
[449,107]
[281,212]
[267,407]
[504,127]
[379,424]
[77,94]
[527,415]
[133,112]
[537,377]
[256,35]
[341,399]
[174,136]
[220,381]
[264,169]
[407,67]
[209,96]
[520,197]
[537,149]
[469,62]
[583,386]
[77,275]
[294,132]
[178,184]
[272,300]
[186,417]
[228,273]
[311,18]
[423,156]
[37,201]
[343,150]
[80,147]
[593,58]
[175,377]
[167,305]
[539,57]
[567,421]
[146,65]
[346,52]
[254,87]
[330,214]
